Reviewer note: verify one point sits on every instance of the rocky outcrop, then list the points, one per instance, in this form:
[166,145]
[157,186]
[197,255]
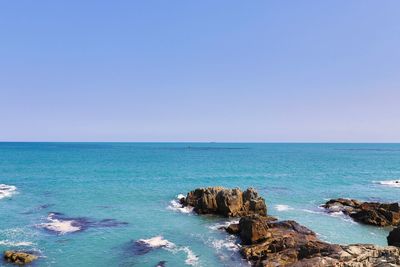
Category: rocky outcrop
[225,202]
[373,213]
[270,243]
[287,243]
[19,257]
[394,237]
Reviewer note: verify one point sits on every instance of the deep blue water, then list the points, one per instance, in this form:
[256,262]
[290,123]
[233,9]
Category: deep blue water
[103,197]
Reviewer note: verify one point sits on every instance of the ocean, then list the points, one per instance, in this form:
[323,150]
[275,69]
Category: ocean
[115,204]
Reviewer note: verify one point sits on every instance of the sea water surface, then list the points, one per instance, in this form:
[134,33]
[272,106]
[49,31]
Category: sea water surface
[114,204]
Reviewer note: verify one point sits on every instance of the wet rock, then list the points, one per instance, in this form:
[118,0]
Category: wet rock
[233,229]
[373,213]
[19,257]
[226,202]
[394,237]
[287,243]
[270,243]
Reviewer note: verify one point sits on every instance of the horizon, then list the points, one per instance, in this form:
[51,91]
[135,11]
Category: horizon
[231,72]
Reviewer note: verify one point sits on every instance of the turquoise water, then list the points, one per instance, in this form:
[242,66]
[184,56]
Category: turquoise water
[134,183]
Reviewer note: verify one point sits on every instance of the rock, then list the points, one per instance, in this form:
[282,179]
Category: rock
[233,229]
[253,228]
[394,237]
[287,243]
[19,257]
[226,202]
[272,243]
[373,213]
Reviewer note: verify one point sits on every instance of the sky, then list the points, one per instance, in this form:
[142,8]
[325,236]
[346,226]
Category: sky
[222,71]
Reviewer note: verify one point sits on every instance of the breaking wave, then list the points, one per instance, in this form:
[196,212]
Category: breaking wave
[390,183]
[7,190]
[175,205]
[145,245]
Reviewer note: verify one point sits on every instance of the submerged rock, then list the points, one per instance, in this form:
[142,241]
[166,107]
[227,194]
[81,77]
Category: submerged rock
[373,213]
[226,202]
[394,237]
[19,257]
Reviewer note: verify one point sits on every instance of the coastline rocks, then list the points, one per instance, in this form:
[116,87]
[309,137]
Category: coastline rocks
[19,257]
[372,213]
[394,237]
[287,243]
[272,243]
[225,202]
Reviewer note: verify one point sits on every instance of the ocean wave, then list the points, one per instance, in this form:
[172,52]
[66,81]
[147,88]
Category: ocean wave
[175,205]
[228,244]
[16,244]
[335,214]
[7,190]
[59,225]
[145,245]
[282,207]
[222,225]
[389,183]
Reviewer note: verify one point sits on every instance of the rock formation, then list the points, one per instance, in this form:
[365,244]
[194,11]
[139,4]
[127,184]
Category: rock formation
[372,213]
[394,237]
[287,243]
[225,202]
[270,243]
[19,257]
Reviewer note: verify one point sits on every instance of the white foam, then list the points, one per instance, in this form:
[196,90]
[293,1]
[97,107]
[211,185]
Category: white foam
[16,244]
[60,226]
[336,214]
[7,190]
[219,226]
[160,242]
[390,183]
[175,205]
[282,207]
[219,244]
[157,242]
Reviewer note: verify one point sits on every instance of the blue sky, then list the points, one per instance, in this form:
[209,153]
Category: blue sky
[270,71]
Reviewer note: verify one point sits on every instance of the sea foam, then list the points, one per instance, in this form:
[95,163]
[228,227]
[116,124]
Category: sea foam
[160,242]
[390,183]
[59,225]
[16,244]
[282,207]
[7,190]
[175,205]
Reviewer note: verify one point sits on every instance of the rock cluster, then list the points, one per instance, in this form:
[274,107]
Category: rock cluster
[19,257]
[269,243]
[286,243]
[373,213]
[225,202]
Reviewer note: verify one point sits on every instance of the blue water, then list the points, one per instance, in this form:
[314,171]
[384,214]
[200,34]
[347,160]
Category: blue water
[134,183]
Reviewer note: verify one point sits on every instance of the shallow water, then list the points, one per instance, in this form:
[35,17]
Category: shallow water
[88,204]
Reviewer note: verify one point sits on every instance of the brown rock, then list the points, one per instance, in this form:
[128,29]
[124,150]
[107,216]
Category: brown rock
[233,229]
[372,213]
[19,257]
[226,202]
[394,237]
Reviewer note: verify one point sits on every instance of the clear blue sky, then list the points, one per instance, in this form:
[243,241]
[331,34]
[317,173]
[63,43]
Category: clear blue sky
[200,70]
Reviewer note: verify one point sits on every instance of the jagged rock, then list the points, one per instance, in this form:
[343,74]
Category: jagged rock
[19,257]
[394,237]
[233,229]
[287,243]
[226,202]
[373,213]
[253,228]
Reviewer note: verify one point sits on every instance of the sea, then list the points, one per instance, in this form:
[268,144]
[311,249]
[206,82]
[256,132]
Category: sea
[116,204]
